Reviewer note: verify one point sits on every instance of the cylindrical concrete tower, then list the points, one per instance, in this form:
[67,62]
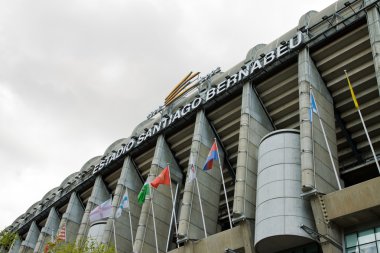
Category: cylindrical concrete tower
[279,208]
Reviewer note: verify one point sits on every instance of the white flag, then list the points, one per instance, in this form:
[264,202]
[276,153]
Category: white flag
[192,173]
[102,211]
[123,204]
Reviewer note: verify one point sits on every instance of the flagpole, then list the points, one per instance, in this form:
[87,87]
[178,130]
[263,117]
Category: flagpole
[369,141]
[154,221]
[146,226]
[362,120]
[313,144]
[224,186]
[200,202]
[327,144]
[171,220]
[173,203]
[130,222]
[114,234]
[122,206]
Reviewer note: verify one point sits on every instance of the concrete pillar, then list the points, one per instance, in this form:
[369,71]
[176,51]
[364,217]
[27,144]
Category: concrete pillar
[48,231]
[162,202]
[99,195]
[254,124]
[305,124]
[129,181]
[373,21]
[325,226]
[317,170]
[72,217]
[15,247]
[28,245]
[210,184]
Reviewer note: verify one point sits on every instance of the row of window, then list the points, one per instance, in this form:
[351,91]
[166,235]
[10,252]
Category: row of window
[366,241]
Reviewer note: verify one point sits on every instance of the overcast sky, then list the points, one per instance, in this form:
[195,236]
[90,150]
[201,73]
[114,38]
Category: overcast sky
[77,75]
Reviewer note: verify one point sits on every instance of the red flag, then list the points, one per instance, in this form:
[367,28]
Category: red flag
[163,178]
[62,234]
[212,155]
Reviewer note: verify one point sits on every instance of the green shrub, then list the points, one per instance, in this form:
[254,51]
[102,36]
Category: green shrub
[6,239]
[88,246]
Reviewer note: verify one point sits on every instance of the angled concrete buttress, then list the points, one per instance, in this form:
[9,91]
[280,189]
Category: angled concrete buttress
[316,167]
[254,124]
[99,195]
[129,181]
[210,183]
[15,246]
[72,217]
[48,231]
[317,173]
[28,245]
[373,20]
[145,241]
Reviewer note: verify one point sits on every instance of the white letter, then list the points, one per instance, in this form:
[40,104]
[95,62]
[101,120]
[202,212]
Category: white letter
[210,94]
[269,57]
[281,50]
[299,41]
[221,87]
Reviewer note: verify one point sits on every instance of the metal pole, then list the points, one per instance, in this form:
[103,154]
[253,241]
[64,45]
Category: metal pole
[224,186]
[173,203]
[146,227]
[171,220]
[154,221]
[200,203]
[130,222]
[114,234]
[327,144]
[312,137]
[369,140]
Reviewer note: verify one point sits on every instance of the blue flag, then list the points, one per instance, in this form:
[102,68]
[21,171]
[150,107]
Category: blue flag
[313,106]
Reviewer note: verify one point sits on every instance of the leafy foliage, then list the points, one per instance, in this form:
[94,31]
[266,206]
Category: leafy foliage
[6,239]
[88,246]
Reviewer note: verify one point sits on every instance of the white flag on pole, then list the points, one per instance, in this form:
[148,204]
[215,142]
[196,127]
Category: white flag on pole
[102,211]
[123,204]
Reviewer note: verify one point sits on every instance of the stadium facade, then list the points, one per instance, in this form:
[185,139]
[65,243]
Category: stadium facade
[286,193]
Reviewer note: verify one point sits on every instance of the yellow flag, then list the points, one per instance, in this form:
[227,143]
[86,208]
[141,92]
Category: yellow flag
[352,92]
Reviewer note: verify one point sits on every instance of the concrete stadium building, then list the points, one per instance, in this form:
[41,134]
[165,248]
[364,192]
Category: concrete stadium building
[281,185]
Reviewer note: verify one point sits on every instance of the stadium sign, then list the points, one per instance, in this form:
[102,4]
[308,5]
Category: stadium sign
[246,71]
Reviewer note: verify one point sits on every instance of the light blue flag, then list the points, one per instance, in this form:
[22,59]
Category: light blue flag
[313,106]
[123,204]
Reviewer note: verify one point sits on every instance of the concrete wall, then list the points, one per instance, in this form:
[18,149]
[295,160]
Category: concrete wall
[238,239]
[15,247]
[317,169]
[280,209]
[254,124]
[99,195]
[72,217]
[131,182]
[161,202]
[190,222]
[49,231]
[28,245]
[373,21]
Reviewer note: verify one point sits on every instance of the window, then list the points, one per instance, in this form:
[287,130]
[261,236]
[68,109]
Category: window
[365,241]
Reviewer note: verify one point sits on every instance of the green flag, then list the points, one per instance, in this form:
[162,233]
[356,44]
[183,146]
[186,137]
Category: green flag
[144,191]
